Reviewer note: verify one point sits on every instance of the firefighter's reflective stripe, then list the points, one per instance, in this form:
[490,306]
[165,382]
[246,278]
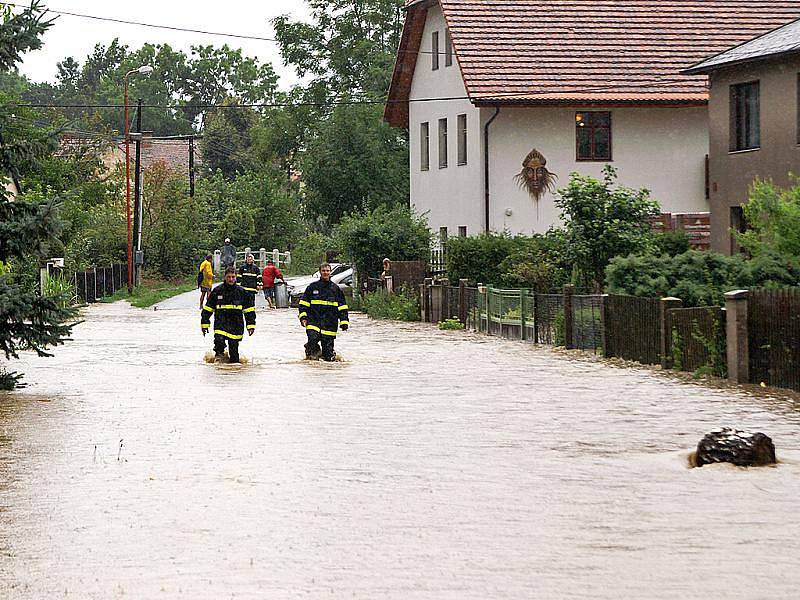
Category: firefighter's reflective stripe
[304,303]
[303,315]
[322,331]
[228,335]
[251,326]
[250,289]
[251,309]
[344,322]
[325,302]
[208,308]
[344,307]
[230,307]
[204,325]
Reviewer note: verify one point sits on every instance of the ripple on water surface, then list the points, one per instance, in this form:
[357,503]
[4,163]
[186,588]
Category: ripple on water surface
[430,464]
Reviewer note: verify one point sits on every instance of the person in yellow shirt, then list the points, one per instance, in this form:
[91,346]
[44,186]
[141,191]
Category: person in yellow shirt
[205,279]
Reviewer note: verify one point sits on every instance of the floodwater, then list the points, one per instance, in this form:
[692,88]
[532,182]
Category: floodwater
[428,465]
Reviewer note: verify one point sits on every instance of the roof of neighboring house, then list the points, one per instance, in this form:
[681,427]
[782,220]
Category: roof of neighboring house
[784,40]
[174,153]
[582,51]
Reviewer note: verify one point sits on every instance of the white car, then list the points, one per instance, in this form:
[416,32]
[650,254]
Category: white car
[341,274]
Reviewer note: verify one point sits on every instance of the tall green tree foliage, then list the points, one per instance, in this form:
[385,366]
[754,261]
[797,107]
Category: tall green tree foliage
[175,94]
[603,220]
[354,162]
[348,157]
[27,227]
[773,219]
[366,238]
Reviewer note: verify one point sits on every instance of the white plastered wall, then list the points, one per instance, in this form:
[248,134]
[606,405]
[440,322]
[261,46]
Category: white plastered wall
[452,196]
[661,149]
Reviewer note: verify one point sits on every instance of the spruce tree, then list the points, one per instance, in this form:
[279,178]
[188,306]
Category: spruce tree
[28,228]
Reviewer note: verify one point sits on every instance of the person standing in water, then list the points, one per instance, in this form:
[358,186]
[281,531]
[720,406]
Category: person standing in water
[205,279]
[232,308]
[322,311]
[249,276]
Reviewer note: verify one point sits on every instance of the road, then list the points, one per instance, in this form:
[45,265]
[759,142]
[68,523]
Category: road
[429,464]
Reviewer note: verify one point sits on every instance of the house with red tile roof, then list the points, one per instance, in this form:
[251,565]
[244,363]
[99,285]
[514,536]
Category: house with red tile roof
[481,83]
[754,124]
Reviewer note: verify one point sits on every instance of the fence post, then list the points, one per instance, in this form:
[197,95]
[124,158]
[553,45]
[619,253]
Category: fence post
[666,305]
[276,257]
[262,257]
[569,291]
[217,261]
[737,336]
[436,302]
[388,284]
[462,301]
[426,299]
[444,309]
[522,296]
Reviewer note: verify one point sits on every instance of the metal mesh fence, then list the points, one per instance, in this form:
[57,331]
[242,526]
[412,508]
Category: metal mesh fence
[587,323]
[93,284]
[549,322]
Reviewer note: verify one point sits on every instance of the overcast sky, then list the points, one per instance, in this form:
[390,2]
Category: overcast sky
[76,37]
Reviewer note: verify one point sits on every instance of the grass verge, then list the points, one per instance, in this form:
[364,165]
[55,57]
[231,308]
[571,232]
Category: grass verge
[151,292]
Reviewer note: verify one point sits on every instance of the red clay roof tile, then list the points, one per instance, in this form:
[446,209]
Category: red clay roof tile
[557,51]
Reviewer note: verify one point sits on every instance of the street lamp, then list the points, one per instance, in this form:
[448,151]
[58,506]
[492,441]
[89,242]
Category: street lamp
[143,70]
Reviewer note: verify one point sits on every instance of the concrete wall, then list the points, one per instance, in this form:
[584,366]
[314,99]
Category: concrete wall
[731,173]
[452,196]
[662,149]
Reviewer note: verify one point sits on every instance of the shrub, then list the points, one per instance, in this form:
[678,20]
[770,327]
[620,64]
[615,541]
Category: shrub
[366,238]
[672,243]
[603,220]
[535,261]
[308,253]
[698,278]
[451,325]
[773,219]
[400,306]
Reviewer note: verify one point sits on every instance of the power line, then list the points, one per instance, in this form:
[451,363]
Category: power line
[522,96]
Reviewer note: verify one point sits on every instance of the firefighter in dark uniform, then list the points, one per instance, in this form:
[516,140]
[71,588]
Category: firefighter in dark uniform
[232,308]
[322,311]
[249,276]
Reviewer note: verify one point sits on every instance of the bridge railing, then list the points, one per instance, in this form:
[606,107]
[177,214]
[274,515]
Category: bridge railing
[261,256]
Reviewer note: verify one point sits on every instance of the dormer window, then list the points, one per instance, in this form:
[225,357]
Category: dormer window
[435,51]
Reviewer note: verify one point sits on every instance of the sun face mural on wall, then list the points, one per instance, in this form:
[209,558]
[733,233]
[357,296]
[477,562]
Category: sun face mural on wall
[534,177]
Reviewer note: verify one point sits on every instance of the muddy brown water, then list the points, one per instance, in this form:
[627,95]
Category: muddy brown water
[429,465]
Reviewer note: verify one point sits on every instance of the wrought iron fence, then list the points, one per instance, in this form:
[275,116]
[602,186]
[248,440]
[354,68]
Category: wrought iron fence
[696,339]
[93,284]
[773,318]
[632,328]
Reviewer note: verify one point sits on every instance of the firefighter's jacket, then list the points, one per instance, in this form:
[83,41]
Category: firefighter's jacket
[248,277]
[231,306]
[323,304]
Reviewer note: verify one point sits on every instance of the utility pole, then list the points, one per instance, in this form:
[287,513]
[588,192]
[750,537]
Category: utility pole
[191,166]
[137,192]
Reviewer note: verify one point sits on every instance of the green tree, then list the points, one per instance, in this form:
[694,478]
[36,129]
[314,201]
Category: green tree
[355,162]
[28,321]
[366,238]
[773,220]
[349,45]
[603,220]
[227,143]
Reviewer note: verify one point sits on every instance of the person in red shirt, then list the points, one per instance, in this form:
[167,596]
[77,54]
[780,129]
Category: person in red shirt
[268,277]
